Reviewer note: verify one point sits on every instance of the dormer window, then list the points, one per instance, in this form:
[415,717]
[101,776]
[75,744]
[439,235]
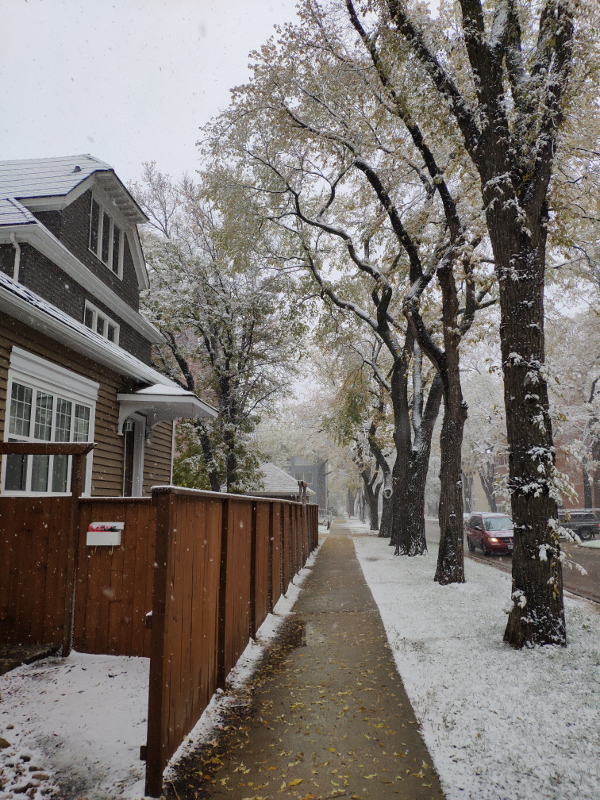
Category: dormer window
[94,319]
[106,238]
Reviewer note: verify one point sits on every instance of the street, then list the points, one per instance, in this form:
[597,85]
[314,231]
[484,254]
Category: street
[589,558]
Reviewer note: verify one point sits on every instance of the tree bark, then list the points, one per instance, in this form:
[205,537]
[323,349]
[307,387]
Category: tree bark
[487,481]
[537,613]
[587,489]
[412,461]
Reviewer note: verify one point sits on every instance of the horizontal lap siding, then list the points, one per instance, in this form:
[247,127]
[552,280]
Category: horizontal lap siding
[157,457]
[107,471]
[34,534]
[114,584]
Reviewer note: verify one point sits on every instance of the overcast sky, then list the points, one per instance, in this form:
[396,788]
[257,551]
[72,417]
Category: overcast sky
[127,81]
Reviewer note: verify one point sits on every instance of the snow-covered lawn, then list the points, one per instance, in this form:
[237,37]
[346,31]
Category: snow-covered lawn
[499,724]
[75,725]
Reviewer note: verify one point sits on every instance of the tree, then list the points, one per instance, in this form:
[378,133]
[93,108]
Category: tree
[354,189]
[232,327]
[508,100]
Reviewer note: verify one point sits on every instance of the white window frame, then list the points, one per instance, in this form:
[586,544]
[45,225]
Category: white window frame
[100,315]
[112,222]
[40,375]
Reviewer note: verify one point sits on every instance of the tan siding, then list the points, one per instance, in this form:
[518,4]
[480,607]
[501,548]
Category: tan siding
[107,473]
[157,458]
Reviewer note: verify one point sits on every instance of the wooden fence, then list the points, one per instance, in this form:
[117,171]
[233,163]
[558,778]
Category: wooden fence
[38,554]
[220,566]
[208,566]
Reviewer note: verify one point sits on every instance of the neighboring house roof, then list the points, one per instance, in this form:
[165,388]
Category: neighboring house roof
[28,307]
[13,213]
[276,482]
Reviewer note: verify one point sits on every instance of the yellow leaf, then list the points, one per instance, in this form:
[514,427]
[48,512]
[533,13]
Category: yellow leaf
[368,777]
[331,749]
[295,782]
[380,725]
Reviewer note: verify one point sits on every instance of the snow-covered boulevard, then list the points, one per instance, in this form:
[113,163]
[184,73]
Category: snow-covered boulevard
[499,724]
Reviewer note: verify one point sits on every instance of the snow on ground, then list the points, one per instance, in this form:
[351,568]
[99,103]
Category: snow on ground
[79,719]
[75,725]
[500,724]
[594,544]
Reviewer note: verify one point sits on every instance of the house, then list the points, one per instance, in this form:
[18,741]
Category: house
[314,473]
[75,352]
[279,485]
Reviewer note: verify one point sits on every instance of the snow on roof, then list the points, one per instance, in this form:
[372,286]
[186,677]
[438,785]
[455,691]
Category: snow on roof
[13,213]
[80,338]
[35,178]
[47,177]
[277,482]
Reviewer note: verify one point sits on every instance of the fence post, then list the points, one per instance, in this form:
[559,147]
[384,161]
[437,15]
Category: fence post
[253,534]
[221,633]
[155,763]
[270,557]
[282,549]
[73,547]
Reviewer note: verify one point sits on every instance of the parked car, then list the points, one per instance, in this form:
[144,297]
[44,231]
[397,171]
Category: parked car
[584,523]
[493,533]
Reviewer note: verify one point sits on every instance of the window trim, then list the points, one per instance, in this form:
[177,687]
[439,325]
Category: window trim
[41,375]
[104,210]
[98,313]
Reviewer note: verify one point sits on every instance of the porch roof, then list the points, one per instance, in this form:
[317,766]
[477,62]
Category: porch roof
[161,403]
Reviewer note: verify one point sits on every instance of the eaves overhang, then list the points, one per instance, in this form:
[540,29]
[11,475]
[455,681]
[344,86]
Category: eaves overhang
[39,237]
[160,403]
[24,305]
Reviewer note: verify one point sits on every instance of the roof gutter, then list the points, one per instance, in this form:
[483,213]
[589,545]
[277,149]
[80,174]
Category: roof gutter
[17,264]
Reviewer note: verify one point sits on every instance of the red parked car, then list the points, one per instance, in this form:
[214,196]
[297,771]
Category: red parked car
[492,532]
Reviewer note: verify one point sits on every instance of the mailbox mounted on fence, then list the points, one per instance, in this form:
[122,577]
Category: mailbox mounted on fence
[107,534]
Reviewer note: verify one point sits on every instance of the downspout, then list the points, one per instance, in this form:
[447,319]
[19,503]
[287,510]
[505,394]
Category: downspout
[17,264]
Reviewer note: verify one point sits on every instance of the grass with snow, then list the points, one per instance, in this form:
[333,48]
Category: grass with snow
[500,724]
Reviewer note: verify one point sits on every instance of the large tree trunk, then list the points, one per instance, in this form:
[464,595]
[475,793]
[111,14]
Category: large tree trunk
[487,481]
[410,468]
[450,563]
[208,455]
[385,527]
[372,498]
[537,614]
[587,489]
[350,503]
[387,514]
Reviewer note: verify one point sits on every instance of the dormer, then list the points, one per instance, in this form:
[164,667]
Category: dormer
[81,201]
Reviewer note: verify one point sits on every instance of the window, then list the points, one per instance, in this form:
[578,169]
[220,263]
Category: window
[47,403]
[99,322]
[106,238]
[307,477]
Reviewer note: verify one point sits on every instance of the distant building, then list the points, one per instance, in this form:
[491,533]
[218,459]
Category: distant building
[279,485]
[315,474]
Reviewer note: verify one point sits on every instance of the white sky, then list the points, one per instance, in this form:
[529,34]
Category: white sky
[127,81]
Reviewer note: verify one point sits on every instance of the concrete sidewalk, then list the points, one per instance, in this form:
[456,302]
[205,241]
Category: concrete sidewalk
[326,715]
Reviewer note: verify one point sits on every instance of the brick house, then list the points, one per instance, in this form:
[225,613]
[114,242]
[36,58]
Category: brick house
[75,352]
